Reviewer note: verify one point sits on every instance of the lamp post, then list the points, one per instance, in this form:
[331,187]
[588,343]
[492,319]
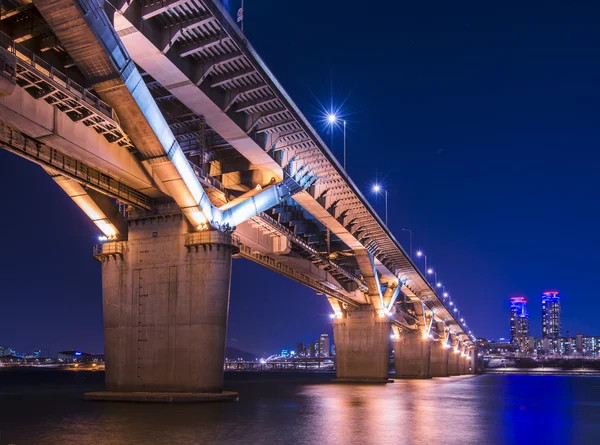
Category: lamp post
[421,254]
[344,145]
[377,189]
[332,120]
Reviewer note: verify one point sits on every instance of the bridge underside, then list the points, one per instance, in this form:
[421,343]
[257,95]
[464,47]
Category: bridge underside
[163,125]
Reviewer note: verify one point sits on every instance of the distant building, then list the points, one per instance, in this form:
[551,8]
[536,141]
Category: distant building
[308,350]
[77,357]
[551,315]
[580,345]
[324,346]
[11,359]
[36,354]
[300,349]
[6,351]
[519,324]
[501,346]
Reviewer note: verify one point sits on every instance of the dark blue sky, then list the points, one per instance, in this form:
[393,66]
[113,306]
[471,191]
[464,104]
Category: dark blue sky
[480,118]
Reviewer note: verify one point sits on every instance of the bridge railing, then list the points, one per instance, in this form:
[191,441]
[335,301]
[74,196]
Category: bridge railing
[29,57]
[109,249]
[47,156]
[43,81]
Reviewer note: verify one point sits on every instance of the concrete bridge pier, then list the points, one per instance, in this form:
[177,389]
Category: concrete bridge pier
[362,346]
[471,363]
[453,360]
[412,353]
[439,359]
[478,361]
[463,362]
[166,302]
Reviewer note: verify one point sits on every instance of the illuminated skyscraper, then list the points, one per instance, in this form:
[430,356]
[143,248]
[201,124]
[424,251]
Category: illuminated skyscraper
[519,320]
[324,346]
[551,323]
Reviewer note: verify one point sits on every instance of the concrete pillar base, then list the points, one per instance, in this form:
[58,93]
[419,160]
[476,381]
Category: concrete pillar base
[453,360]
[463,365]
[166,302]
[439,360]
[162,397]
[412,355]
[362,346]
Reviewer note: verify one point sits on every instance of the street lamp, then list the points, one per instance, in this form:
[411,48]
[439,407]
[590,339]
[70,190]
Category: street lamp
[421,254]
[332,119]
[377,189]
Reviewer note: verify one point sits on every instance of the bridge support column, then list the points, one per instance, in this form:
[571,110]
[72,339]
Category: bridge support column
[471,363]
[453,360]
[463,364]
[166,302]
[362,346]
[478,362]
[439,359]
[413,355]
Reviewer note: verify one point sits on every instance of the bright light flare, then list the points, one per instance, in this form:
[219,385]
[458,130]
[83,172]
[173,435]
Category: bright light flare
[429,271]
[419,253]
[376,188]
[332,118]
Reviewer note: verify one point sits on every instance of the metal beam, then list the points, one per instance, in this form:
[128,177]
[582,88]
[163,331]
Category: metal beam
[271,126]
[159,7]
[188,50]
[247,105]
[236,93]
[170,37]
[46,156]
[15,11]
[207,67]
[294,274]
[222,80]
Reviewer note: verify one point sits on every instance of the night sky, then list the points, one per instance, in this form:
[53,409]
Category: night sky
[480,118]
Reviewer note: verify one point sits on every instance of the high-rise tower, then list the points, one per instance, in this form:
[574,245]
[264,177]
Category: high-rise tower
[551,323]
[519,320]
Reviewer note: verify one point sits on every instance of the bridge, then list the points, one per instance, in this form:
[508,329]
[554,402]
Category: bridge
[165,127]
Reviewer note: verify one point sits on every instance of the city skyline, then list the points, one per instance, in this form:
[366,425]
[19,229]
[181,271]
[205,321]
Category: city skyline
[478,177]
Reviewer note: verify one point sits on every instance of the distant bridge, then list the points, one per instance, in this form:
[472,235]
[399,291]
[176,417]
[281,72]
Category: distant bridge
[166,128]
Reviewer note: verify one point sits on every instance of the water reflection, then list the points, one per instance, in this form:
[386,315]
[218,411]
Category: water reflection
[456,410]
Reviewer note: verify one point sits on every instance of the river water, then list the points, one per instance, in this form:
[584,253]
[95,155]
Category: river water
[45,407]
